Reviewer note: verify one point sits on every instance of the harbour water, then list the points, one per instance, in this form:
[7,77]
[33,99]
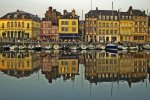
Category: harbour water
[74,75]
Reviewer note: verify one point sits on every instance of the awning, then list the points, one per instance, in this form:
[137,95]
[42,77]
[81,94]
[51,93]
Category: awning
[69,35]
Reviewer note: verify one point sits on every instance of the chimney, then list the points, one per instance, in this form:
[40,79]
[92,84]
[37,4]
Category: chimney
[65,12]
[50,8]
[96,8]
[130,10]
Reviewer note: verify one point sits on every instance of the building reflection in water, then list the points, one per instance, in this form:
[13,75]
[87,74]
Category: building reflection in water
[60,64]
[19,64]
[100,66]
[109,67]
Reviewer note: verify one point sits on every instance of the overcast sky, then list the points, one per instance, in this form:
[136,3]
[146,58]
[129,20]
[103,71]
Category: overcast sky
[40,6]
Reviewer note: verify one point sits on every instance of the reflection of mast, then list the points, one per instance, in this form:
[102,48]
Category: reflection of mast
[73,85]
[38,75]
[112,89]
[90,88]
[81,76]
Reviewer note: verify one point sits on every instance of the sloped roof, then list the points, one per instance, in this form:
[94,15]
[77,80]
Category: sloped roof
[20,15]
[96,13]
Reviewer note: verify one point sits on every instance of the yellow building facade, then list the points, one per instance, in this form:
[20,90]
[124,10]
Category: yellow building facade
[115,26]
[126,24]
[19,25]
[68,26]
[108,31]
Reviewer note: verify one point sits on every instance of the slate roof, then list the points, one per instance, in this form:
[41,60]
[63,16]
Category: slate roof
[69,16]
[96,13]
[20,15]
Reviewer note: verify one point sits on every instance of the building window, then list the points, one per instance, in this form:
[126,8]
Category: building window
[111,31]
[99,31]
[4,34]
[28,64]
[64,63]
[62,22]
[8,24]
[103,24]
[107,17]
[115,17]
[73,29]
[66,29]
[111,25]
[103,17]
[123,17]
[28,25]
[73,62]
[111,18]
[12,24]
[107,32]
[15,24]
[22,24]
[115,24]
[2,63]
[62,29]
[100,17]
[19,24]
[126,17]
[99,24]
[107,24]
[115,31]
[66,22]
[2,25]
[73,22]
[103,31]
[15,16]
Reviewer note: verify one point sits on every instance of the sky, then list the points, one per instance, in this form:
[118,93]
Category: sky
[39,7]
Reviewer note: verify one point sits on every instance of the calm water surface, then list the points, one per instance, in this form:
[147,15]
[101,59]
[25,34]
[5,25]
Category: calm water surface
[74,75]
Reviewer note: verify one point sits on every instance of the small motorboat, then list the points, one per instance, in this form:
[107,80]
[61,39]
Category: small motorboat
[111,46]
[100,47]
[146,46]
[48,47]
[14,47]
[83,47]
[6,47]
[38,47]
[90,47]
[122,47]
[74,47]
[31,47]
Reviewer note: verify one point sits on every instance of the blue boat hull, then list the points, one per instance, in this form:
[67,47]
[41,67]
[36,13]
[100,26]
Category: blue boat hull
[115,47]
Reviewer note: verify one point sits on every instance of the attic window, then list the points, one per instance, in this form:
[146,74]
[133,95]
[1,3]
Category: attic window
[8,16]
[23,16]
[15,16]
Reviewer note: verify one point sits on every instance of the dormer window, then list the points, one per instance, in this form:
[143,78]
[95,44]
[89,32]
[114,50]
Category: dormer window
[115,17]
[23,16]
[103,17]
[15,16]
[8,16]
[99,17]
[111,17]
[123,17]
[107,17]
